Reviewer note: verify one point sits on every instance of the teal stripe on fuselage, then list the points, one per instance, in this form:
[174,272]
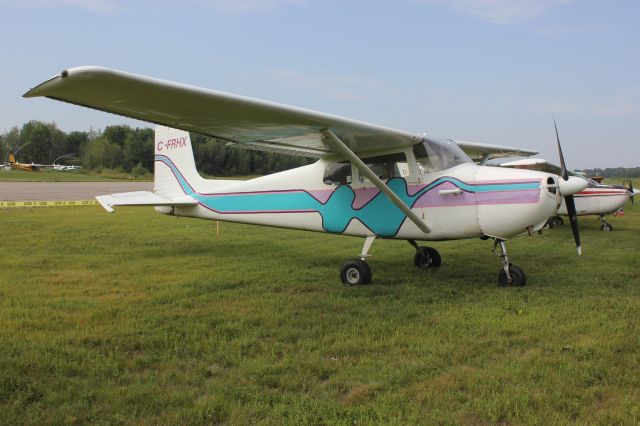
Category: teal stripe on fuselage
[380,215]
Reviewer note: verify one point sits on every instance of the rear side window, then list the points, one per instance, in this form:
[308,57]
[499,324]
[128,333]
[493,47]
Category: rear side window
[337,174]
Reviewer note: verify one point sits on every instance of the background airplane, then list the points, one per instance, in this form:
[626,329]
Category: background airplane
[12,163]
[15,165]
[64,167]
[369,181]
[596,199]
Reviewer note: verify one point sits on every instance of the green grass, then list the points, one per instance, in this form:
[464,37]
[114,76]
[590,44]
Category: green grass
[139,318]
[81,175]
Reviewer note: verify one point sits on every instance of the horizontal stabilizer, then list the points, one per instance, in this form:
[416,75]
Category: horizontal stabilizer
[141,198]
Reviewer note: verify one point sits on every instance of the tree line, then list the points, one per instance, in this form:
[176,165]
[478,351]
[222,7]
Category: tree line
[615,172]
[130,149]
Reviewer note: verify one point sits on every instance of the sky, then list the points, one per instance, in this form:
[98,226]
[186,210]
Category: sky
[490,71]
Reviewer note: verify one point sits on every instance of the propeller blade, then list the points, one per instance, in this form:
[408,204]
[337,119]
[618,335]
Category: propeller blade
[565,172]
[568,199]
[573,218]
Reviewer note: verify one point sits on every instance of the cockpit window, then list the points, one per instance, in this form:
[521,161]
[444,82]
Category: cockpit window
[435,155]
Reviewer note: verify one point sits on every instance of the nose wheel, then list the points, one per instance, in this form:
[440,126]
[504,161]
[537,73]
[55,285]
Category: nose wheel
[510,275]
[516,277]
[606,227]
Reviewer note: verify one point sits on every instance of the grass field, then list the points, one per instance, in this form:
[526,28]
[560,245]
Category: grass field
[141,318]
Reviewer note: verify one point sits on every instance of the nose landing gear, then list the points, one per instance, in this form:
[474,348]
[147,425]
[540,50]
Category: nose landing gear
[510,275]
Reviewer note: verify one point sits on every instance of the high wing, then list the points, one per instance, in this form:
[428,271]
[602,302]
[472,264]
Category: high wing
[480,152]
[234,118]
[246,121]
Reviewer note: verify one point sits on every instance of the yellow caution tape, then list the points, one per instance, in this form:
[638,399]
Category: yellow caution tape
[19,204]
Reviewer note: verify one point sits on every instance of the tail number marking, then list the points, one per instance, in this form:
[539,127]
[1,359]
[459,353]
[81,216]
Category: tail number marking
[172,143]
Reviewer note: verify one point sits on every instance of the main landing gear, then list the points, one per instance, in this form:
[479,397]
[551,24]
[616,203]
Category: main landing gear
[358,272]
[426,257]
[510,275]
[606,227]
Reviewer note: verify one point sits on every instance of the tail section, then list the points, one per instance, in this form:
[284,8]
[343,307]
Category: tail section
[176,180]
[175,173]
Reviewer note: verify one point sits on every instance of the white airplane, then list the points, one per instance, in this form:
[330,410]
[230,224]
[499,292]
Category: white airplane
[369,181]
[64,167]
[596,199]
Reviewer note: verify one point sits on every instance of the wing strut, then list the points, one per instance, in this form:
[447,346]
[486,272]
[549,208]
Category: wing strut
[356,161]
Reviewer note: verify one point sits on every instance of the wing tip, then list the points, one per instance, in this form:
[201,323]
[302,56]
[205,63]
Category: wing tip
[40,89]
[103,200]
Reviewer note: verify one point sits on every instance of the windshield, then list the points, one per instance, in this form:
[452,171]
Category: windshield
[434,155]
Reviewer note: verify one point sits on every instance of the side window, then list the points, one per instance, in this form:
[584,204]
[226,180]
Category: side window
[387,166]
[337,174]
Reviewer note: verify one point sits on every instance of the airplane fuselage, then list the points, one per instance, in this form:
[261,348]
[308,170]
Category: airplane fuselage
[465,201]
[598,200]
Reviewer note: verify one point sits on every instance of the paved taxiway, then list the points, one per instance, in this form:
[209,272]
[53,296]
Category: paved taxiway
[65,191]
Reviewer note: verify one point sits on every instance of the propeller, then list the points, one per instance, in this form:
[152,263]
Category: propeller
[568,199]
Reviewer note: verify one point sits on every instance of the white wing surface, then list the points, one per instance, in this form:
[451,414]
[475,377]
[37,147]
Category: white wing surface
[483,152]
[221,115]
[534,164]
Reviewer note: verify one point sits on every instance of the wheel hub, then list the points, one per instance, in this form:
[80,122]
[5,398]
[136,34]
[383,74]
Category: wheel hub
[426,260]
[353,275]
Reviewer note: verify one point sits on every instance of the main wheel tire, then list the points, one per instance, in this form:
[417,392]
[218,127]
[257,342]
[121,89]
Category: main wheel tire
[606,227]
[557,220]
[518,278]
[355,272]
[427,257]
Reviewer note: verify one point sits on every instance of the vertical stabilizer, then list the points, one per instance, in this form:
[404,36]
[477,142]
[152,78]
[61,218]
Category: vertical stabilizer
[175,171]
